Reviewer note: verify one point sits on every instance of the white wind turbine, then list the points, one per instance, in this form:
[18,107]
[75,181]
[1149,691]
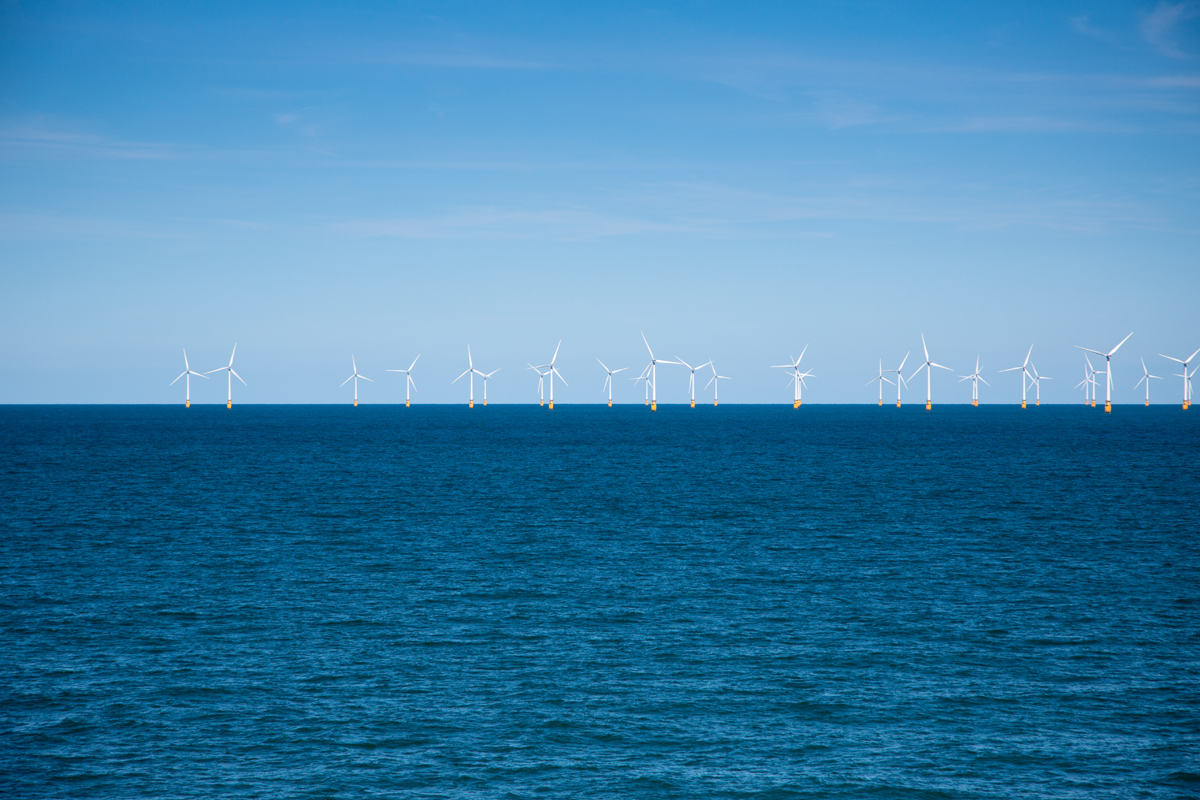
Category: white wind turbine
[974,378]
[899,378]
[928,367]
[1187,382]
[881,381]
[485,376]
[354,377]
[541,384]
[651,374]
[692,377]
[187,373]
[472,372]
[1146,376]
[1036,382]
[1025,376]
[551,371]
[715,380]
[608,381]
[1107,371]
[232,375]
[797,378]
[1086,382]
[409,384]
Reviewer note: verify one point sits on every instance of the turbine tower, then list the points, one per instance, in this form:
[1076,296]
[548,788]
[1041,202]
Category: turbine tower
[715,380]
[881,381]
[485,377]
[1146,376]
[541,384]
[187,374]
[797,379]
[928,367]
[1187,382]
[692,377]
[608,381]
[472,372]
[232,375]
[1107,372]
[1024,374]
[551,371]
[355,378]
[899,378]
[409,384]
[974,378]
[651,374]
[1036,382]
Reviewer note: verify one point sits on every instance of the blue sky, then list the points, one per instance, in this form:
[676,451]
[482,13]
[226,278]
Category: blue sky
[316,180]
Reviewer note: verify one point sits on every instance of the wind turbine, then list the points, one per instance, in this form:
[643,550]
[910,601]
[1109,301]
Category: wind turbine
[651,374]
[1146,376]
[187,373]
[1107,372]
[928,367]
[608,381]
[899,378]
[408,381]
[716,381]
[551,371]
[797,379]
[541,384]
[1036,381]
[472,372]
[692,377]
[974,378]
[1024,374]
[485,377]
[1187,383]
[881,381]
[355,378]
[232,374]
[1085,382]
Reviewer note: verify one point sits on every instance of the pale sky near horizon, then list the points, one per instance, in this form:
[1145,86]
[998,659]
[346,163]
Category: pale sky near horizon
[315,181]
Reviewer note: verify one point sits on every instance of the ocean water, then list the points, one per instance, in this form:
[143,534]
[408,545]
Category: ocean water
[741,602]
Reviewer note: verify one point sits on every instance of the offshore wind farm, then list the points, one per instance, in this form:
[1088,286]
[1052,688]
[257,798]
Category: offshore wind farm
[1030,378]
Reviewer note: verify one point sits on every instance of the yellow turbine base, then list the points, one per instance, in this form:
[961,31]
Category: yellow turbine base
[693,402]
[356,402]
[1185,405]
[1037,402]
[541,403]
[407,403]
[1147,401]
[1107,406]
[471,404]
[1093,404]
[551,405]
[881,402]
[897,404]
[928,405]
[1022,404]
[975,403]
[485,401]
[188,404]
[654,405]
[229,404]
[714,402]
[610,403]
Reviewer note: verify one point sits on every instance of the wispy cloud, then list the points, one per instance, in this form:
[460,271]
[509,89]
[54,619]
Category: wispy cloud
[1083,25]
[1160,27]
[35,137]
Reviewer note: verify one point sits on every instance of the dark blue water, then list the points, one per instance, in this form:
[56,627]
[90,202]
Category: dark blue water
[508,602]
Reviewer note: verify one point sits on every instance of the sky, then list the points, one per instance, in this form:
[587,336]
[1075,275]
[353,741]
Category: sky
[317,182]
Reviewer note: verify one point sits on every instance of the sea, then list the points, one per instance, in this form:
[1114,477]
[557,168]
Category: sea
[513,602]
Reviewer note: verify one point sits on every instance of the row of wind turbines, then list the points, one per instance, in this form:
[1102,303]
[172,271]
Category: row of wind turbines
[1030,378]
